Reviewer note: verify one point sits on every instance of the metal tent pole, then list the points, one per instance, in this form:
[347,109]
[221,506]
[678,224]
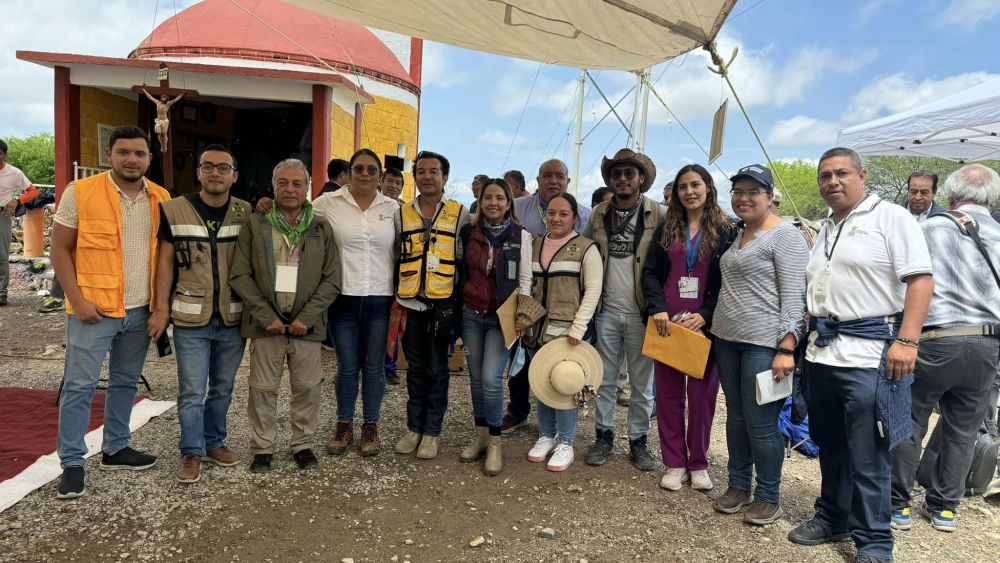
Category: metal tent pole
[579,131]
[643,80]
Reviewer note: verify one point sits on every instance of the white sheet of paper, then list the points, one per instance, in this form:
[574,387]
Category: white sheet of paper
[286,278]
[769,390]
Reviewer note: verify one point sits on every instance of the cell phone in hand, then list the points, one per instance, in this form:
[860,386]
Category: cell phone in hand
[163,345]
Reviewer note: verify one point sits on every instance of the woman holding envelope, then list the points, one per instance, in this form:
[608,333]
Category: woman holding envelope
[568,278]
[758,321]
[497,266]
[681,281]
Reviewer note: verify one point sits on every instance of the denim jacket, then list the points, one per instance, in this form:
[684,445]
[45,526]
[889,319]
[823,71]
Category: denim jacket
[892,397]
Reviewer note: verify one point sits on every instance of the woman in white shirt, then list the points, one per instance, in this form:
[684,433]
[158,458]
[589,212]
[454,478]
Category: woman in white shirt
[364,227]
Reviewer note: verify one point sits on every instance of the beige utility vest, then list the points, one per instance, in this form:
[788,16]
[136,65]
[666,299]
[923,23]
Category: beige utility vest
[202,263]
[559,288]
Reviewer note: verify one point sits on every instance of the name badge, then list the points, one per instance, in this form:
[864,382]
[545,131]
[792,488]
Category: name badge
[286,278]
[823,282]
[433,262]
[688,288]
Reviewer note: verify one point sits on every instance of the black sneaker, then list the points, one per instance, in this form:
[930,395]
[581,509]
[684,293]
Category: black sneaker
[71,485]
[305,458]
[814,533]
[391,377]
[510,424]
[51,305]
[261,463]
[638,454]
[127,458]
[599,452]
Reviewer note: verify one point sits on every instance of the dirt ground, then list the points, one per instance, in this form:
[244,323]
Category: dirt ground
[397,508]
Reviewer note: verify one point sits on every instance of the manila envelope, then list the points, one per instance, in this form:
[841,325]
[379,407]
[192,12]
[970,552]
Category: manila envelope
[684,350]
[506,313]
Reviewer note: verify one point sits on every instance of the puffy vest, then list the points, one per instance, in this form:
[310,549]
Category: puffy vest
[559,288]
[418,246]
[202,263]
[100,257]
[480,291]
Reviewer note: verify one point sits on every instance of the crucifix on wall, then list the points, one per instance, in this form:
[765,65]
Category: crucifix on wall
[163,98]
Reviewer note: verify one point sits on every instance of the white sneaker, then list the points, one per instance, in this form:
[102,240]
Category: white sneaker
[561,458]
[700,481]
[674,478]
[542,448]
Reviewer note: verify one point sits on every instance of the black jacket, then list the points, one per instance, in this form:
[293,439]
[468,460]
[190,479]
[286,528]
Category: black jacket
[657,268]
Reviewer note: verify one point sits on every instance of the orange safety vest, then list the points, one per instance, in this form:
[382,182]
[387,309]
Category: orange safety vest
[100,257]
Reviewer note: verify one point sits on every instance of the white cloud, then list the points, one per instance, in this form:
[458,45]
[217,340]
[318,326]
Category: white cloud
[900,92]
[870,9]
[803,130]
[511,94]
[969,13]
[438,71]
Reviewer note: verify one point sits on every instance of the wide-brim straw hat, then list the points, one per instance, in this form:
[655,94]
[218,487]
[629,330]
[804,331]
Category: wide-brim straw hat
[637,159]
[560,371]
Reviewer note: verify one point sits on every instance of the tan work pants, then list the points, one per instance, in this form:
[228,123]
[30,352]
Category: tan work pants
[305,373]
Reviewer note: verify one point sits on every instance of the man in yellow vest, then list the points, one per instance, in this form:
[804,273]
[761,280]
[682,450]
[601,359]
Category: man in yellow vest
[428,268]
[104,251]
[198,234]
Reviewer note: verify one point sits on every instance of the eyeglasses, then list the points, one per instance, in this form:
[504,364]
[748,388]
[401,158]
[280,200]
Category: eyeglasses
[627,173]
[371,169]
[208,167]
[752,194]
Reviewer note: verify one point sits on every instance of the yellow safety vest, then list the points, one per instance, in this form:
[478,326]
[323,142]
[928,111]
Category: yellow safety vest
[422,248]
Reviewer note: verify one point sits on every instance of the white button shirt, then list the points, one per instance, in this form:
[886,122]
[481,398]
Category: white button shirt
[880,244]
[366,241]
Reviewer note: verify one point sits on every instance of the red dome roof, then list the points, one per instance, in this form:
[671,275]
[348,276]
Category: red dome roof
[219,28]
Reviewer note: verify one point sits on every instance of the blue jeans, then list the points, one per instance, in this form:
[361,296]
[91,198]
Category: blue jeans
[620,335]
[360,328]
[486,356]
[752,434]
[854,460]
[208,358]
[557,423]
[86,347]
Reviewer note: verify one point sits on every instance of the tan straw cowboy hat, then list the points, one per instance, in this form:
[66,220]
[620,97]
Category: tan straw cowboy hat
[637,159]
[560,371]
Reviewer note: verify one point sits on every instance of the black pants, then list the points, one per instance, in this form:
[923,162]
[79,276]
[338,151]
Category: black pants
[427,374]
[519,406]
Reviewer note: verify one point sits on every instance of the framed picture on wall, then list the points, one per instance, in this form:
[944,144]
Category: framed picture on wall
[103,137]
[189,113]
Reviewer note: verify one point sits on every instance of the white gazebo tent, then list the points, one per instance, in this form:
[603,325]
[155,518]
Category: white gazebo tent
[963,127]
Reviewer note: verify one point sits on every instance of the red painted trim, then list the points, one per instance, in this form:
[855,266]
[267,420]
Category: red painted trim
[416,60]
[67,128]
[322,108]
[69,59]
[357,126]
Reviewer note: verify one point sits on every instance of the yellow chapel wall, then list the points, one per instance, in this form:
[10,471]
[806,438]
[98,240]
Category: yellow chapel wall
[387,123]
[100,107]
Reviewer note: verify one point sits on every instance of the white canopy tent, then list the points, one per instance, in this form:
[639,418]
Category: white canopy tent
[593,34]
[963,127]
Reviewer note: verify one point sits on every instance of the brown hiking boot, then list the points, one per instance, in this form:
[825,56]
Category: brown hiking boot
[221,456]
[190,469]
[371,445]
[762,513]
[342,439]
[732,501]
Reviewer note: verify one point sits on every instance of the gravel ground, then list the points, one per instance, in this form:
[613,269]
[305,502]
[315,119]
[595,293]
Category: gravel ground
[397,508]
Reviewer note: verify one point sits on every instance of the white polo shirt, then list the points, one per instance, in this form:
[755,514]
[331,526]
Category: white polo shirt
[13,183]
[366,241]
[879,245]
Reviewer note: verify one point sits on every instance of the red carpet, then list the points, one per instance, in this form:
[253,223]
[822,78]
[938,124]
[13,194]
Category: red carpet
[30,424]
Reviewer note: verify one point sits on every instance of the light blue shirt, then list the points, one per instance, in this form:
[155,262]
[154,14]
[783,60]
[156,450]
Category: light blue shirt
[531,213]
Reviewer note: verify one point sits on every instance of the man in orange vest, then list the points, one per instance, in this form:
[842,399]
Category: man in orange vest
[104,251]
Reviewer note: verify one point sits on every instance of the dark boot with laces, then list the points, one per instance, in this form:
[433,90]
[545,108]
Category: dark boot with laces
[638,454]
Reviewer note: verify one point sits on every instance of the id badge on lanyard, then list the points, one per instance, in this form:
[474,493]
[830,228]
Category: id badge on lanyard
[688,287]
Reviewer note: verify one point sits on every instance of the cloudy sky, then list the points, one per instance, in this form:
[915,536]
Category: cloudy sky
[804,70]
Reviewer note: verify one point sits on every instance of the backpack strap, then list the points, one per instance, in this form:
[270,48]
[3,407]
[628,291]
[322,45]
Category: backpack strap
[969,227]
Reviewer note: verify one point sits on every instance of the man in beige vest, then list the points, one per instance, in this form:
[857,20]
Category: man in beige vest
[198,234]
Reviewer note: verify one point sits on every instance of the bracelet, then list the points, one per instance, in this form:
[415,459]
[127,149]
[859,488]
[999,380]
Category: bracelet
[787,351]
[907,342]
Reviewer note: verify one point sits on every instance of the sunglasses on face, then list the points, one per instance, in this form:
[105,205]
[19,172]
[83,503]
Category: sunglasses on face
[371,169]
[627,173]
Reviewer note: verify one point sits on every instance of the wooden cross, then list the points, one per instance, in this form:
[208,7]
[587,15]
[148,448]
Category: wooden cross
[165,96]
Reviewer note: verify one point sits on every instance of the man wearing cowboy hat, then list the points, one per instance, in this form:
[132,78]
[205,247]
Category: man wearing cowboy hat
[623,229]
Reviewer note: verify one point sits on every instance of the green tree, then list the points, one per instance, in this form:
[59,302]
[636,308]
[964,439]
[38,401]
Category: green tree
[801,189]
[888,175]
[35,156]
